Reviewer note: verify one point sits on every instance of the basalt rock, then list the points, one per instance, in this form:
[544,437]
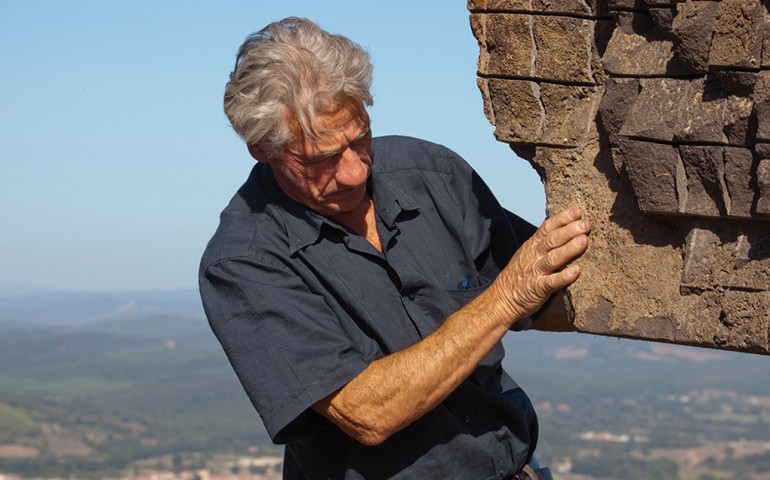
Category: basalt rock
[653,117]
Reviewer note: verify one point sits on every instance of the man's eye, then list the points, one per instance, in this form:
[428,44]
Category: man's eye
[361,141]
[322,159]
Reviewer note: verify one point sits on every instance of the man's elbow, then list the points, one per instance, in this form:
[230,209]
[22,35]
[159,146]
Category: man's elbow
[372,435]
[370,439]
[367,428]
[367,424]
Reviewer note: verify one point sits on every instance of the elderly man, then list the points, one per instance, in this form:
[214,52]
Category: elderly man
[361,286]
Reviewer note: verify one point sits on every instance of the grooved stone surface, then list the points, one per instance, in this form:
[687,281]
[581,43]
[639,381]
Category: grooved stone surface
[653,116]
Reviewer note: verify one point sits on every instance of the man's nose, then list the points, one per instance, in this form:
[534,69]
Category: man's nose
[352,169]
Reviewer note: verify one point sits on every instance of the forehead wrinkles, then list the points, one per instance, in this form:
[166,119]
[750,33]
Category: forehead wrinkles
[332,120]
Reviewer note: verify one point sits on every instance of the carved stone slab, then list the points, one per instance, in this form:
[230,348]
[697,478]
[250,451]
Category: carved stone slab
[653,116]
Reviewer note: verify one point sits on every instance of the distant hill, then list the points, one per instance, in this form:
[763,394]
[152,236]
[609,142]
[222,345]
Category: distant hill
[9,291]
[79,308]
[549,362]
[117,391]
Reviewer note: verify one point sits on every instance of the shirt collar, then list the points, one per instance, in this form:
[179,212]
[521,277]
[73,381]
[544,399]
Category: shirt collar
[390,198]
[303,225]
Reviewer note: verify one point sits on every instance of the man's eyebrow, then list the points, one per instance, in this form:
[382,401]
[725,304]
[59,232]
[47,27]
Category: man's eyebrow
[322,155]
[364,132]
[331,153]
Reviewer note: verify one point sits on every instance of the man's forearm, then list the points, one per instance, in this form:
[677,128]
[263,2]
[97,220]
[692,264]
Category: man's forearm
[398,389]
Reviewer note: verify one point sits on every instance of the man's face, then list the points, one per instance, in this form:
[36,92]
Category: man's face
[328,175]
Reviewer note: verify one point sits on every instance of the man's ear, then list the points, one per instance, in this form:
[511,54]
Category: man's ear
[258,154]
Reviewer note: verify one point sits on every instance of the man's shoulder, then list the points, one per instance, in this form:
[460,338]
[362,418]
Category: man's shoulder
[245,224]
[395,153]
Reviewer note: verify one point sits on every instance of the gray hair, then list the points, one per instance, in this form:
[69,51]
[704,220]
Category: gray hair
[291,69]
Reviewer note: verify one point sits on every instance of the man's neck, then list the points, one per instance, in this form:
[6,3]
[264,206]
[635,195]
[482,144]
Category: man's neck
[363,221]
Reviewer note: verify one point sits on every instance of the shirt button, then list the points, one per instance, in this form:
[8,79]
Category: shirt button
[502,474]
[467,419]
[410,296]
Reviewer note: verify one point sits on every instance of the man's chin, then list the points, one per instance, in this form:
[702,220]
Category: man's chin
[342,206]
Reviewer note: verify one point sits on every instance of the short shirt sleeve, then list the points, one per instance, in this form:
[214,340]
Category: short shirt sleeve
[286,346]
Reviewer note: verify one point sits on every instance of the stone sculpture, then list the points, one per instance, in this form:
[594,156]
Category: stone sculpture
[653,116]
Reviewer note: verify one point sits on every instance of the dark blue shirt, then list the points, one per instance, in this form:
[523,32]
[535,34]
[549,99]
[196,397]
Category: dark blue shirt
[301,305]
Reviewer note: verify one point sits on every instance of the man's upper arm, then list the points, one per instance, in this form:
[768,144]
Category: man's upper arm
[286,346]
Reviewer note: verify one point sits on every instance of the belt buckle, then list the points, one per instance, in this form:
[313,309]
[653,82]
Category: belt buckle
[526,473]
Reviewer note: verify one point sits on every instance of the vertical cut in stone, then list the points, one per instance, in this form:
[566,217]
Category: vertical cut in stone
[693,28]
[763,182]
[766,40]
[518,112]
[739,176]
[603,30]
[738,35]
[563,47]
[569,113]
[762,105]
[655,113]
[656,174]
[738,127]
[706,190]
[619,96]
[702,260]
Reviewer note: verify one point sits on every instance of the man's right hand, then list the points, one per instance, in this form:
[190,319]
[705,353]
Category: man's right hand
[536,270]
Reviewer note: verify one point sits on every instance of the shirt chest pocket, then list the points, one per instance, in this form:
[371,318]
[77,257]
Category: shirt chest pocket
[456,299]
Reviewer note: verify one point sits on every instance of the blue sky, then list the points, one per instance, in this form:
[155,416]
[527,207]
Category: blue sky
[116,156]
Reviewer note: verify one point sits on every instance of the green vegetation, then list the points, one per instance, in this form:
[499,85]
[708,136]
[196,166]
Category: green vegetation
[71,388]
[15,423]
[111,399]
[121,398]
[615,466]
